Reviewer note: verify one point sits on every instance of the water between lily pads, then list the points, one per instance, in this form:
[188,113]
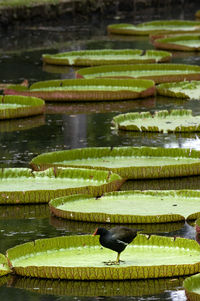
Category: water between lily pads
[66,126]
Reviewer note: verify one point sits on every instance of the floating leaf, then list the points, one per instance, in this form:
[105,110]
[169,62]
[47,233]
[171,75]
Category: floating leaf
[192,287]
[4,268]
[83,258]
[159,73]
[106,57]
[130,206]
[160,121]
[181,43]
[166,26]
[185,89]
[129,162]
[21,185]
[20,106]
[87,89]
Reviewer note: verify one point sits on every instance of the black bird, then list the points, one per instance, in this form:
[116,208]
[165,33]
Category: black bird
[116,239]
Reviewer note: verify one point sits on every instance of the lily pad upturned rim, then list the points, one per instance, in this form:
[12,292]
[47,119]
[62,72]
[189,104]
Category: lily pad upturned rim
[108,181]
[86,57]
[197,225]
[132,118]
[3,261]
[108,217]
[169,43]
[101,272]
[95,72]
[29,106]
[52,90]
[47,160]
[121,28]
[190,284]
[166,89]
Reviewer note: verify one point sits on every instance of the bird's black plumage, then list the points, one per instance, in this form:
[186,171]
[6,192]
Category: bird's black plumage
[116,238]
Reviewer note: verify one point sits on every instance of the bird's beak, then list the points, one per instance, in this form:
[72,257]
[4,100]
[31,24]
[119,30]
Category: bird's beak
[95,232]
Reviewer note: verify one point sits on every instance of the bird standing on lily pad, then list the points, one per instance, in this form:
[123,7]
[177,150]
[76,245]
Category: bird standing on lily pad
[116,239]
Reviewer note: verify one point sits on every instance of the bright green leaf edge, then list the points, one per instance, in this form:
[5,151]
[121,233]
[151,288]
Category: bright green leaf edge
[98,182]
[166,26]
[170,43]
[162,73]
[86,89]
[112,56]
[102,272]
[192,287]
[183,89]
[26,106]
[97,288]
[133,121]
[4,268]
[47,160]
[109,217]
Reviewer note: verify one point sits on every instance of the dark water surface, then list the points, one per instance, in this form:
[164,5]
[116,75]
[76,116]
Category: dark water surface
[67,126]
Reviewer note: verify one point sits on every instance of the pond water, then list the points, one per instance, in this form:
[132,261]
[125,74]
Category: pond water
[67,126]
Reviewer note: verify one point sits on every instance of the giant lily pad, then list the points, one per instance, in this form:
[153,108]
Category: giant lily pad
[185,89]
[129,162]
[20,106]
[192,287]
[4,268]
[181,43]
[106,57]
[21,185]
[160,121]
[130,206]
[166,26]
[87,89]
[96,288]
[83,258]
[158,73]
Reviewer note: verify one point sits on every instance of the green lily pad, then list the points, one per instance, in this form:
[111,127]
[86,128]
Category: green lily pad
[96,288]
[21,185]
[129,162]
[130,206]
[181,43]
[185,89]
[159,73]
[4,268]
[20,106]
[166,26]
[86,89]
[83,258]
[106,57]
[192,287]
[161,121]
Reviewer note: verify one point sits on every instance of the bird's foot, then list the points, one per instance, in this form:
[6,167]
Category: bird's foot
[112,262]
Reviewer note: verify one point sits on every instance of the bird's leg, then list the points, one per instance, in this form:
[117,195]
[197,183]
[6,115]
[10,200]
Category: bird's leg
[118,260]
